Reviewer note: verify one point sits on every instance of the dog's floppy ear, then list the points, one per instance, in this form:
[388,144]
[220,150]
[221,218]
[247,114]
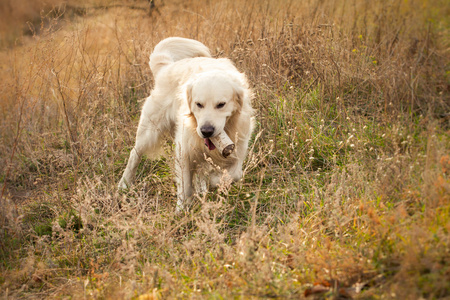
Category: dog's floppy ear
[189,94]
[239,96]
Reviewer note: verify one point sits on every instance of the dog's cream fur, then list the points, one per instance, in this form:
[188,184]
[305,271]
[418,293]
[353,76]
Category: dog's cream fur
[195,97]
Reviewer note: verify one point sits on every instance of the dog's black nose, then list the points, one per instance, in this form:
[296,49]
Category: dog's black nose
[207,131]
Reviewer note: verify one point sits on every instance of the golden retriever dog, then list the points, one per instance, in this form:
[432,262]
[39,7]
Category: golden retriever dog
[195,99]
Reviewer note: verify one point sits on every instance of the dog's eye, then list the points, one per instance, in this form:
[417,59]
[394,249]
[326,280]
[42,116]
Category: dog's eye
[199,105]
[220,105]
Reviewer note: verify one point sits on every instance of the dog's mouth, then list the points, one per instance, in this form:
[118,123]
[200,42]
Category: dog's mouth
[209,144]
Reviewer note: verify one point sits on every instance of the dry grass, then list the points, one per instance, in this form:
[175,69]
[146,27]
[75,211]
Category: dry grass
[346,186]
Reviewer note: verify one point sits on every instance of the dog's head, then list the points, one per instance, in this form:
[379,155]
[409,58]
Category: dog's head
[213,97]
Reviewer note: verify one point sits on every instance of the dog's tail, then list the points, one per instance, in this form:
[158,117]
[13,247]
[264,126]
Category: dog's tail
[174,49]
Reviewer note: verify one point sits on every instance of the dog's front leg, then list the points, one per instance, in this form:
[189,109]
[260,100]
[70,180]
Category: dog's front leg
[235,170]
[183,170]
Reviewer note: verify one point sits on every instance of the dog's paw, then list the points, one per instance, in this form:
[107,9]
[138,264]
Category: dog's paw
[122,185]
[179,208]
[237,175]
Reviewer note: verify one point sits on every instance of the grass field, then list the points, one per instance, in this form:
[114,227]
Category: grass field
[346,189]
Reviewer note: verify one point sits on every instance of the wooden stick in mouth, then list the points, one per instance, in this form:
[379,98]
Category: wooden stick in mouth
[223,143]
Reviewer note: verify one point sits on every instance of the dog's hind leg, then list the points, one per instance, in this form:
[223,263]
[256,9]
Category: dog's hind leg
[148,142]
[130,171]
